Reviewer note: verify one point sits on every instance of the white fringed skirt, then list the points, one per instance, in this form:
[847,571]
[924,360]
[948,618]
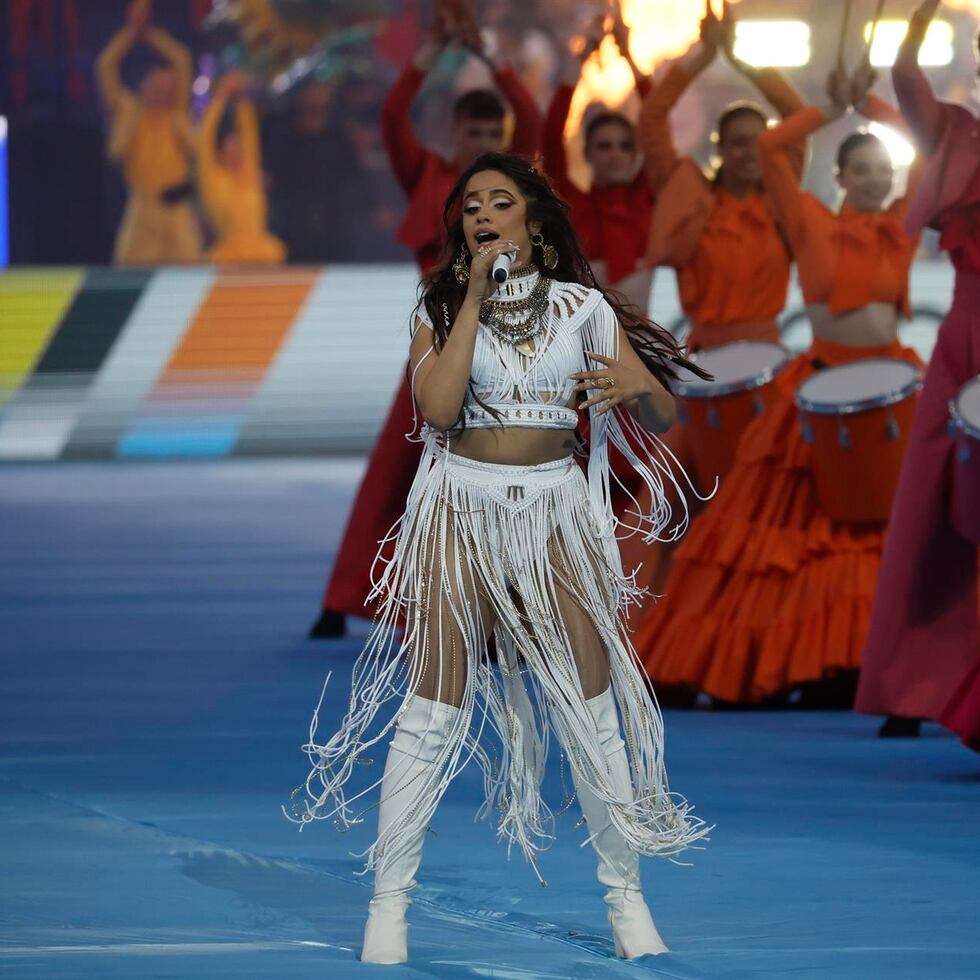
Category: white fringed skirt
[521,545]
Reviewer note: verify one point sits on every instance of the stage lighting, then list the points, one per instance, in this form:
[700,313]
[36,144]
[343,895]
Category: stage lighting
[773,43]
[899,148]
[937,47]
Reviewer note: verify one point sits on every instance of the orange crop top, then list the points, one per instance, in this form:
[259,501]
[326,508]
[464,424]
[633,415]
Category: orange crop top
[732,262]
[846,259]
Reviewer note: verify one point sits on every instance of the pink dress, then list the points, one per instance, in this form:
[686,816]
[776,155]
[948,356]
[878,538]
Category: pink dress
[922,657]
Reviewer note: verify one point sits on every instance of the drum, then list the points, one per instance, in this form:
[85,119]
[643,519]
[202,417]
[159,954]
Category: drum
[964,412]
[717,412]
[857,418]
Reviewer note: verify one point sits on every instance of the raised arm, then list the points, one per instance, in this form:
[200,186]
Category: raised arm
[527,119]
[247,122]
[555,161]
[179,57]
[621,35]
[111,87]
[926,115]
[406,155]
[779,174]
[653,126]
[207,136]
[774,87]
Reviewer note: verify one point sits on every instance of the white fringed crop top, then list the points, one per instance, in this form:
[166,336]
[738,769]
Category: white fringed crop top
[532,389]
[523,387]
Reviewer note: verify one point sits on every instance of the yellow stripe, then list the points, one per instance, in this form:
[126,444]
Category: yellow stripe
[32,303]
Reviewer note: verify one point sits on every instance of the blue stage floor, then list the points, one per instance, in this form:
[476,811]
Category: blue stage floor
[156,688]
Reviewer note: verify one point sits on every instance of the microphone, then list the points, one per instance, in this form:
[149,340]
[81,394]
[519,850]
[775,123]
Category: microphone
[501,266]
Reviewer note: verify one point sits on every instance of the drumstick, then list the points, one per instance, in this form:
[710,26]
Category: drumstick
[844,24]
[874,28]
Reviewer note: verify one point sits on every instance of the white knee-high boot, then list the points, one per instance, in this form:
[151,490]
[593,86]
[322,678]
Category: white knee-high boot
[619,866]
[410,774]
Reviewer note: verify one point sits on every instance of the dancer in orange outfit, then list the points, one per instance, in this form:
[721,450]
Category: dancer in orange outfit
[922,658]
[720,233]
[767,592]
[230,178]
[612,218]
[151,138]
[478,127]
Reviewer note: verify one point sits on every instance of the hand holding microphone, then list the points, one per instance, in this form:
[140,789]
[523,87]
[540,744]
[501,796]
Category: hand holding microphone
[491,260]
[500,269]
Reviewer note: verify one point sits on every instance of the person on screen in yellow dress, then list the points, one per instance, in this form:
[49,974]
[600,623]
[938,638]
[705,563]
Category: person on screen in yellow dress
[151,138]
[229,161]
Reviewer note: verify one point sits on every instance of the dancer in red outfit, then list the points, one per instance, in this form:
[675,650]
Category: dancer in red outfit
[921,659]
[767,592]
[612,218]
[478,127]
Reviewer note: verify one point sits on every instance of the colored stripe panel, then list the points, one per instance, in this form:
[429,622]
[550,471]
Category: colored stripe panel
[94,321]
[222,359]
[333,380]
[32,303]
[38,421]
[155,328]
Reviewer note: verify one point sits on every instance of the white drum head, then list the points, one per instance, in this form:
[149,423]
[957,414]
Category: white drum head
[859,386]
[966,407]
[741,366]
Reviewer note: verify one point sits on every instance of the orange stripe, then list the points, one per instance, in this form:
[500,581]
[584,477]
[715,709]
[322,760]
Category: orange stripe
[240,325]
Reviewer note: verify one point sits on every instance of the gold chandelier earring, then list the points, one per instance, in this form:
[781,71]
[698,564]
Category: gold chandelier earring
[549,254]
[461,267]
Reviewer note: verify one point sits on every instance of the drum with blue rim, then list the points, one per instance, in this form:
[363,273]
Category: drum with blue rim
[964,416]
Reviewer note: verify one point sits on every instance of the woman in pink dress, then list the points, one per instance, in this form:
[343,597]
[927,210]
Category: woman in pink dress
[921,658]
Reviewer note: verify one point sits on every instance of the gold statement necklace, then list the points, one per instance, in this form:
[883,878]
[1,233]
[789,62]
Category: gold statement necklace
[516,314]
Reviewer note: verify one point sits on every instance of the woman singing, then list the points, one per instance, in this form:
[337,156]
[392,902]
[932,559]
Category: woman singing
[505,535]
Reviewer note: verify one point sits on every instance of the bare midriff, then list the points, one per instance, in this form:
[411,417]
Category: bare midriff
[874,325]
[513,445]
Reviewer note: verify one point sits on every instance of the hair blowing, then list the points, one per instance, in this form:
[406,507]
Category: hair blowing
[443,295]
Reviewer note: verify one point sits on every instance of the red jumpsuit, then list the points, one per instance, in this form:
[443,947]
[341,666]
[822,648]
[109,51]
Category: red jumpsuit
[612,222]
[427,179]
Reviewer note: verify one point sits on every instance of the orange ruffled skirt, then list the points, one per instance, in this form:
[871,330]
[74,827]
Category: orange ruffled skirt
[767,592]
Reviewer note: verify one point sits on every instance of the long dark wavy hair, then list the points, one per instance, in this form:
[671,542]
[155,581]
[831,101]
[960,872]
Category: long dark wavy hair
[442,295]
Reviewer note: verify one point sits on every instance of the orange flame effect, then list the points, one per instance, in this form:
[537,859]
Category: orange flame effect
[659,31]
